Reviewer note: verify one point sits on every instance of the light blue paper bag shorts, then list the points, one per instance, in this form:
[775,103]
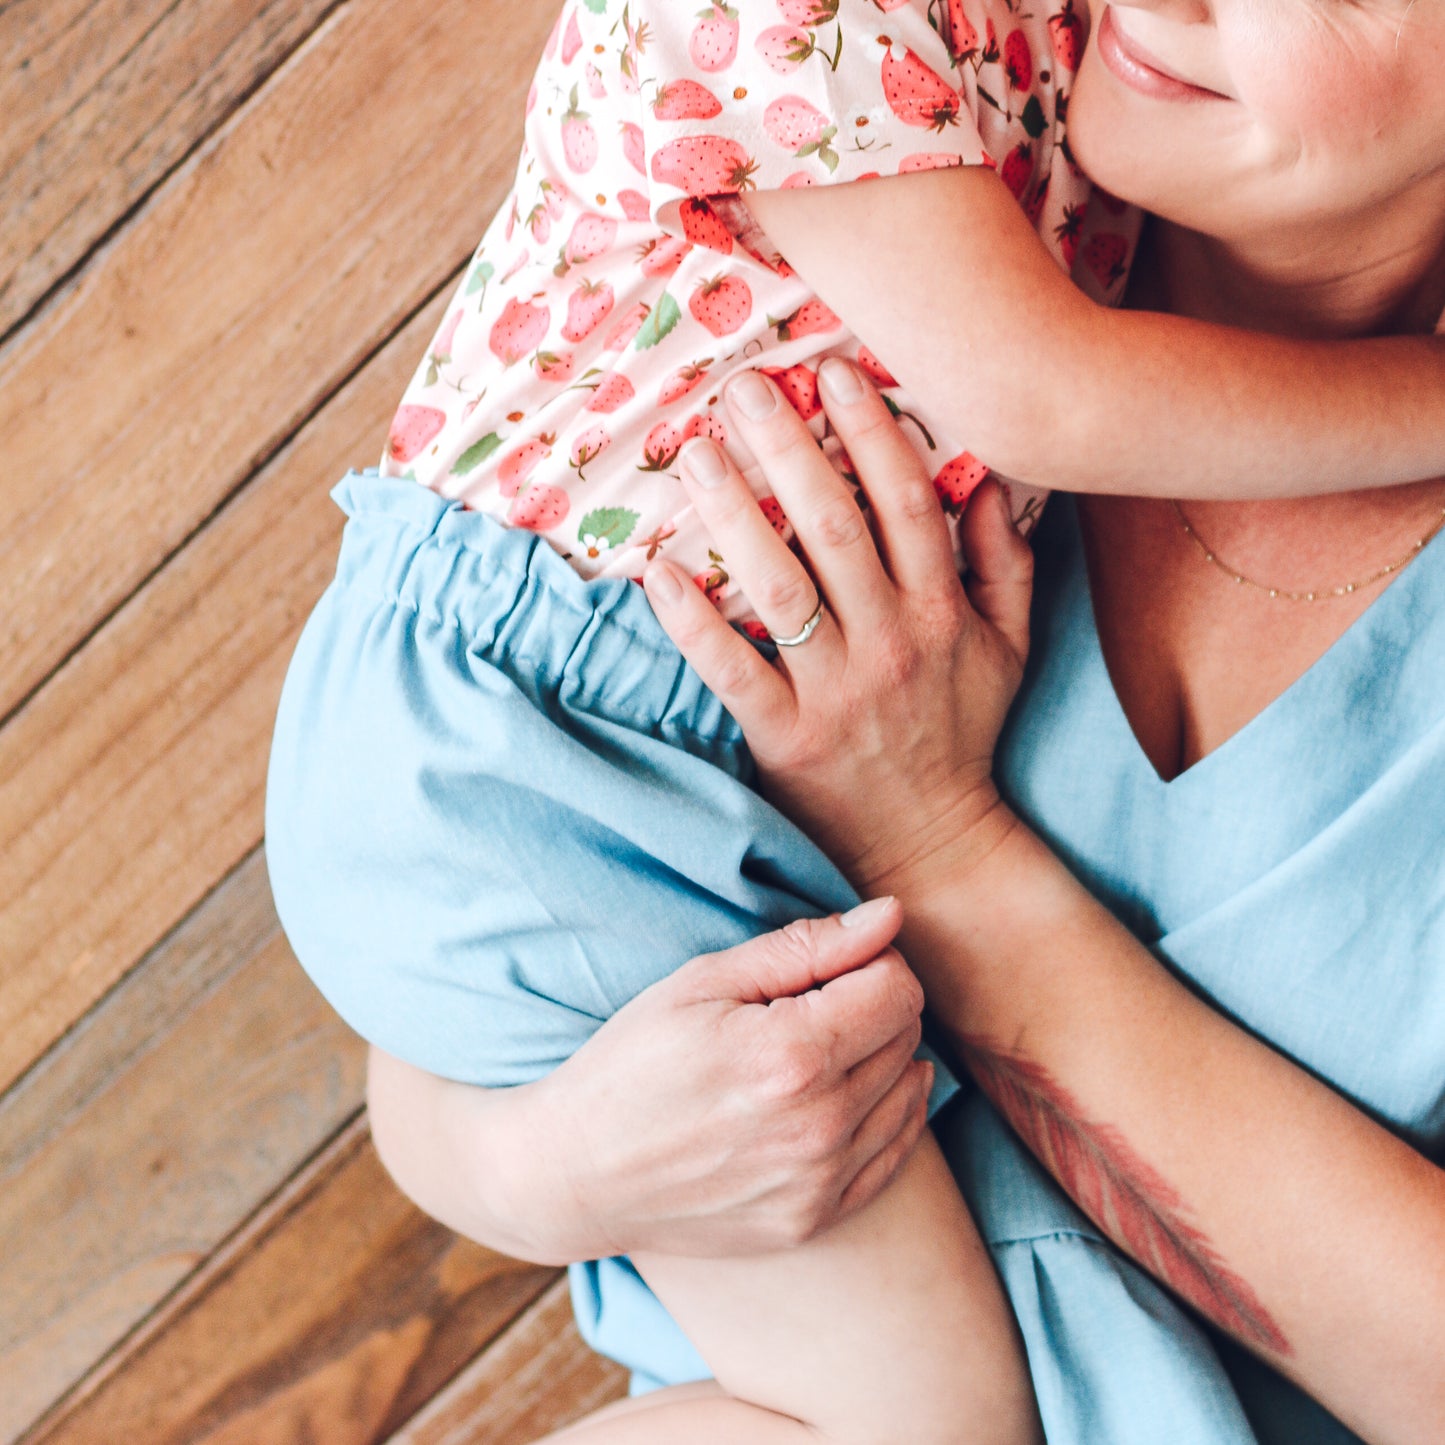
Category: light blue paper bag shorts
[500,805]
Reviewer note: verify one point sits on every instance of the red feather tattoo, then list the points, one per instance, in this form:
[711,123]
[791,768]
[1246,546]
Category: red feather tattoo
[1125,1196]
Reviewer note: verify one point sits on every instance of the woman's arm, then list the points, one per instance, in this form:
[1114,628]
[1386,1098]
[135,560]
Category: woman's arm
[1290,1218]
[942,275]
[791,1099]
[1272,1205]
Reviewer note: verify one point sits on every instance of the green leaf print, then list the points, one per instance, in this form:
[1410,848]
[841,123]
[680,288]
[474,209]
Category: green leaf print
[481,274]
[476,454]
[432,374]
[660,320]
[1033,118]
[612,525]
[597,7]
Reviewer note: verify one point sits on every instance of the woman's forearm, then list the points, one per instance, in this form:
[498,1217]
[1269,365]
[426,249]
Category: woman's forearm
[485,1162]
[1281,1212]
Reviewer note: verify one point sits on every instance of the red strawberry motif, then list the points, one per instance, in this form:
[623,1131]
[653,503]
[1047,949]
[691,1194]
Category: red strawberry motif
[1106,255]
[1017,169]
[876,371]
[927,161]
[518,465]
[714,39]
[809,319]
[595,88]
[962,34]
[800,386]
[660,449]
[441,348]
[411,429]
[784,48]
[1066,31]
[1034,206]
[540,508]
[793,123]
[956,481]
[772,509]
[704,227]
[571,40]
[712,582]
[634,147]
[634,205]
[591,236]
[579,140]
[706,424]
[1018,61]
[1066,233]
[704,165]
[627,326]
[587,308]
[808,12]
[613,391]
[554,366]
[722,304]
[662,255]
[683,381]
[916,94]
[685,100]
[518,330]
[588,446]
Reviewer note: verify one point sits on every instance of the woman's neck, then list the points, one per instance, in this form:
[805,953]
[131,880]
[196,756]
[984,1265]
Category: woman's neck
[1387,284]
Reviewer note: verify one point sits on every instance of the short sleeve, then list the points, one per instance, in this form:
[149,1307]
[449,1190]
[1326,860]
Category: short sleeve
[792,93]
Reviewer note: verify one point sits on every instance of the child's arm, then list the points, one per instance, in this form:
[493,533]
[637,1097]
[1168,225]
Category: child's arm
[941,274]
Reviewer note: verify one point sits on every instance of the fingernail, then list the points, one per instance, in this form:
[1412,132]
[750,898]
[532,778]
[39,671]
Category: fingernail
[702,461]
[840,381]
[660,581]
[865,912]
[751,395]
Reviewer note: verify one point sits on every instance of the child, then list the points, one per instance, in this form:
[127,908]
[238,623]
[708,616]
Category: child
[492,776]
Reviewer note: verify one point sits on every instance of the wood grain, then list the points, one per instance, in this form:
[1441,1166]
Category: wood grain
[330,1320]
[153,1131]
[297,238]
[100,99]
[135,778]
[536,1378]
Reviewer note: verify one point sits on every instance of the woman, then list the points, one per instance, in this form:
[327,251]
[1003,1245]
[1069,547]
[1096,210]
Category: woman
[1244,779]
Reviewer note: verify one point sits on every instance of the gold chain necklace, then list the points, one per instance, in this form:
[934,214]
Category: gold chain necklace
[1344,590]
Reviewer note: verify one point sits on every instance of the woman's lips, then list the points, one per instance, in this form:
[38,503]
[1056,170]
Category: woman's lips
[1140,71]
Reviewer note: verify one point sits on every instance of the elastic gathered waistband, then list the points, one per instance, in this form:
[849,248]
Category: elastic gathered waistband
[588,643]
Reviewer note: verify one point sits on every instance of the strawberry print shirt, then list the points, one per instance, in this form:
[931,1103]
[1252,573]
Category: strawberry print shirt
[623,281]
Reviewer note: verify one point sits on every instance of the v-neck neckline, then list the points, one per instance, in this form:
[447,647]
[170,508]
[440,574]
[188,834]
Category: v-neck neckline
[1419,575]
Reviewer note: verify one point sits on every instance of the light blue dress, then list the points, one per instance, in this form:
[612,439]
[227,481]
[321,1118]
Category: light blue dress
[499,806]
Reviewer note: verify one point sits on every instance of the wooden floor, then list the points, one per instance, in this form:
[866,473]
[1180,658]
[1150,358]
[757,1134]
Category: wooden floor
[226,229]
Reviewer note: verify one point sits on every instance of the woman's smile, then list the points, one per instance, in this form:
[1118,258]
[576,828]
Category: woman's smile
[1139,70]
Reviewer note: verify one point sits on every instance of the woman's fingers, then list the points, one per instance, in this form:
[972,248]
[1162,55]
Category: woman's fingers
[869,1082]
[1000,565]
[887,1136]
[909,518]
[750,688]
[818,502]
[758,560]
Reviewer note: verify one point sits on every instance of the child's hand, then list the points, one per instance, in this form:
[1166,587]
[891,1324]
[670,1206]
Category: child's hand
[746,1102]
[876,735]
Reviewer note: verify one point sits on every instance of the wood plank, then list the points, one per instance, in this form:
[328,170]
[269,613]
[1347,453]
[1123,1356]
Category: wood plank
[536,1378]
[135,778]
[330,1320]
[153,1131]
[100,99]
[261,274]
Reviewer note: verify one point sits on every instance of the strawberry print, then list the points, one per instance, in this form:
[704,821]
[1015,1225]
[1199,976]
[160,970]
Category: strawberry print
[624,280]
[411,429]
[579,140]
[714,40]
[722,304]
[772,509]
[587,308]
[956,481]
[917,95]
[800,385]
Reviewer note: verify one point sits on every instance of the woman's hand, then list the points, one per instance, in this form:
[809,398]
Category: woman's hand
[745,1103]
[876,735]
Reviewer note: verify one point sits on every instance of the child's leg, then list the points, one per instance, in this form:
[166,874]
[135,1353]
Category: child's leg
[890,1328]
